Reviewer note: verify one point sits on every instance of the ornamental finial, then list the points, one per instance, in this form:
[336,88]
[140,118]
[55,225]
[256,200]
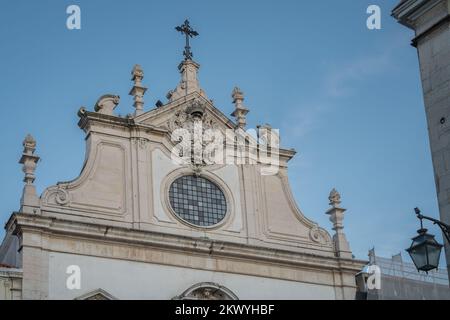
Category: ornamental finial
[29,145]
[336,214]
[138,90]
[29,159]
[137,74]
[240,111]
[335,198]
[30,201]
[237,95]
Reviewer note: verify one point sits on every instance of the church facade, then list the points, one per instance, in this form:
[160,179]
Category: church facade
[178,202]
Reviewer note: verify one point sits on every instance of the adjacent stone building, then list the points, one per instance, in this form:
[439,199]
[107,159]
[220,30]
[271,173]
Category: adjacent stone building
[399,280]
[430,19]
[150,218]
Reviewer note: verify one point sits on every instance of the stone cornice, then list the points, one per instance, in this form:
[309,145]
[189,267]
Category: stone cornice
[11,273]
[23,223]
[406,12]
[88,118]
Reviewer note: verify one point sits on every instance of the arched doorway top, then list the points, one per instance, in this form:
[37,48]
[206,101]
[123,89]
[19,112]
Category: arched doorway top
[207,291]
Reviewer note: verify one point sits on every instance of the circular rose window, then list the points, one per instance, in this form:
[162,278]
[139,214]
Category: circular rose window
[198,201]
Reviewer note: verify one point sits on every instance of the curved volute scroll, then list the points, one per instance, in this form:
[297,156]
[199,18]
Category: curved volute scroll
[106,104]
[320,236]
[57,195]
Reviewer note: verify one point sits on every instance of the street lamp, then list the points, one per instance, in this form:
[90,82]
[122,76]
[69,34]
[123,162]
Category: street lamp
[425,251]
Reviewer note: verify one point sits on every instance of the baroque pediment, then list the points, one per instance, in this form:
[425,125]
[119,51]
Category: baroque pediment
[181,113]
[132,161]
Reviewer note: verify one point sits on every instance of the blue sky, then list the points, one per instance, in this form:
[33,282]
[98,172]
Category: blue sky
[349,100]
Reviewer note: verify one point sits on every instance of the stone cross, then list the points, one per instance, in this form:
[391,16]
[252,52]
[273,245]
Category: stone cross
[187,30]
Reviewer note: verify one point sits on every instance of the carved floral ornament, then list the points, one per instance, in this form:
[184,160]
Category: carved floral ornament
[185,118]
[200,141]
[197,123]
[208,294]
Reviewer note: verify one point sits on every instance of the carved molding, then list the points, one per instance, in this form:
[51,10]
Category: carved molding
[68,236]
[184,118]
[141,142]
[207,291]
[98,294]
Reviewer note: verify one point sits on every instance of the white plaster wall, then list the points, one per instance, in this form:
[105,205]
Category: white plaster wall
[162,166]
[230,175]
[136,280]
